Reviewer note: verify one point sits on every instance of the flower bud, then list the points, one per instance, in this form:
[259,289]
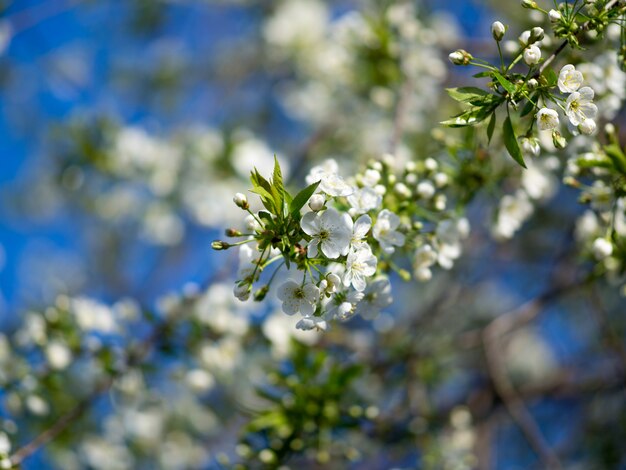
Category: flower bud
[242,291]
[587,127]
[402,190]
[532,84]
[220,245]
[426,189]
[536,34]
[241,201]
[316,203]
[460,57]
[558,140]
[233,232]
[498,30]
[524,39]
[261,293]
[555,16]
[602,248]
[529,4]
[532,55]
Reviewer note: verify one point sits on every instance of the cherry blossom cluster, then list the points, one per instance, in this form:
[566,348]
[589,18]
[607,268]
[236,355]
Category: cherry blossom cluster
[341,236]
[578,107]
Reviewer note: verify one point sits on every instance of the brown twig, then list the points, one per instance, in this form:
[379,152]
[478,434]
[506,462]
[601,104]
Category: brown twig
[512,400]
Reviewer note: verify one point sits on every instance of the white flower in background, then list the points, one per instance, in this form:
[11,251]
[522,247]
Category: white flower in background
[297,24]
[547,119]
[330,230]
[532,55]
[538,181]
[579,106]
[587,226]
[554,15]
[376,297]
[360,264]
[385,231]
[279,329]
[199,380]
[251,152]
[426,189]
[298,298]
[370,178]
[5,444]
[530,146]
[248,258]
[425,258]
[449,234]
[570,79]
[93,316]
[312,323]
[619,217]
[58,354]
[343,305]
[364,200]
[330,181]
[602,248]
[359,232]
[513,211]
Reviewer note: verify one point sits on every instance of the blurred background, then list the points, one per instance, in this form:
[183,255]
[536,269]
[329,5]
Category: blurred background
[127,126]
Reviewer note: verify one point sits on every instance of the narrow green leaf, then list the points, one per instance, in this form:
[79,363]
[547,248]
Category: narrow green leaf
[510,142]
[529,106]
[491,126]
[301,198]
[551,77]
[482,74]
[508,86]
[464,94]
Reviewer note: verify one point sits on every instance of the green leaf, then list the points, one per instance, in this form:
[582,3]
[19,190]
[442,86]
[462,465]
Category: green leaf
[301,198]
[510,142]
[482,74]
[508,86]
[551,77]
[467,93]
[617,157]
[472,116]
[529,107]
[278,190]
[491,126]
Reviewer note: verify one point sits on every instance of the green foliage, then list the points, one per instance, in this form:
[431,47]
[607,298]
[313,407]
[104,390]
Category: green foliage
[311,403]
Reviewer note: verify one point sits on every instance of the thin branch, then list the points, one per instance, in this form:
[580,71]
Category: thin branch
[513,401]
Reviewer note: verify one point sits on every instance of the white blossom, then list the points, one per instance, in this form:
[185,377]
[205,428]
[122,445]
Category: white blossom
[297,297]
[570,79]
[513,211]
[330,181]
[364,200]
[376,297]
[579,106]
[385,231]
[330,230]
[425,257]
[602,248]
[361,263]
[359,232]
[547,119]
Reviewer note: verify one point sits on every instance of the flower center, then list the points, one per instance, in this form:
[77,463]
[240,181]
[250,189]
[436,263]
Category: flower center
[324,235]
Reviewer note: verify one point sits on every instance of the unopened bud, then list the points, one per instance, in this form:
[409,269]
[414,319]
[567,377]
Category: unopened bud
[532,55]
[558,140]
[529,4]
[555,16]
[316,203]
[220,245]
[241,201]
[536,34]
[233,232]
[587,127]
[498,30]
[261,293]
[460,57]
[532,84]
[602,248]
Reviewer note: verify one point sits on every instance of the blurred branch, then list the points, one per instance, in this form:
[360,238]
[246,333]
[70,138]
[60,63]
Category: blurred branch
[512,400]
[612,338]
[30,17]
[136,356]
